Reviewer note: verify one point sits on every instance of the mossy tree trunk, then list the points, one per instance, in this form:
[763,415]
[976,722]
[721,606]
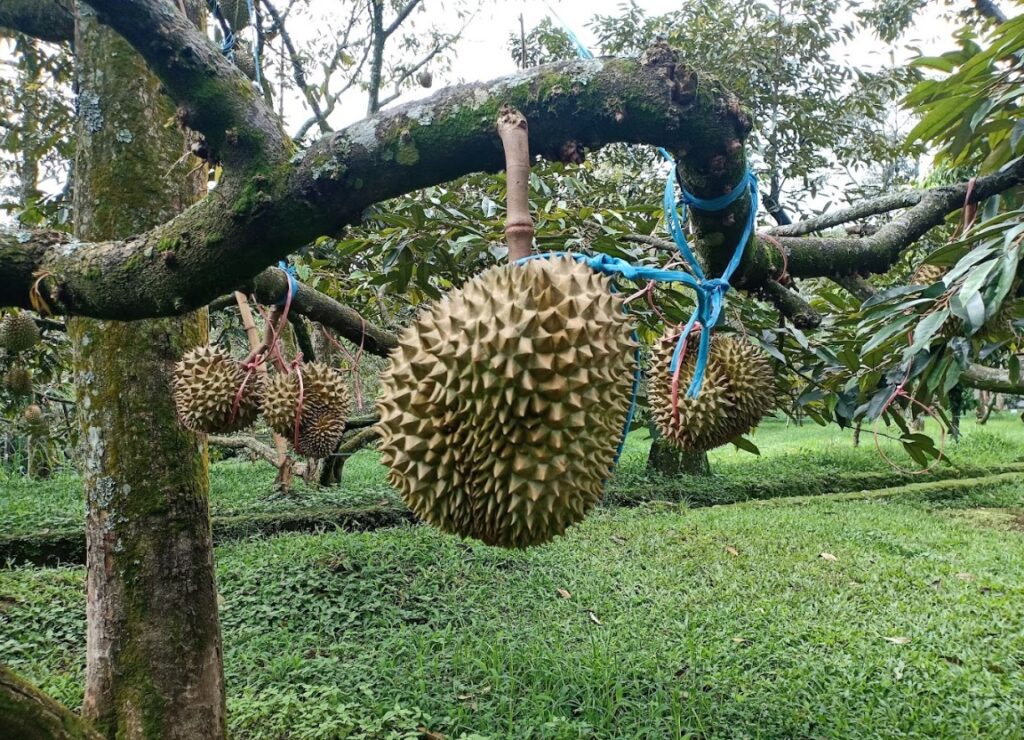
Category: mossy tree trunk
[154,665]
[667,459]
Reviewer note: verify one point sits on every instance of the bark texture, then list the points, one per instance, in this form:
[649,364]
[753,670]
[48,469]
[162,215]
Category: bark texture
[153,640]
[26,713]
[49,20]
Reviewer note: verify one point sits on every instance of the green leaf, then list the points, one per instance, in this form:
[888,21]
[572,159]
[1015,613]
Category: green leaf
[926,329]
[742,443]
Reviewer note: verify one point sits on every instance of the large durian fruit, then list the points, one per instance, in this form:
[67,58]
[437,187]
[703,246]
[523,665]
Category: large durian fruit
[206,382]
[738,390]
[18,381]
[326,405]
[504,403]
[18,332]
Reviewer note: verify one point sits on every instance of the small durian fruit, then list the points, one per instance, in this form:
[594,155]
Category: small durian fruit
[504,403]
[425,78]
[236,13]
[18,332]
[206,382]
[35,421]
[18,381]
[245,60]
[326,405]
[737,391]
[926,274]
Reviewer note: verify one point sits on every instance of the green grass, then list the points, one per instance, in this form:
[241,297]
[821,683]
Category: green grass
[793,460]
[916,629]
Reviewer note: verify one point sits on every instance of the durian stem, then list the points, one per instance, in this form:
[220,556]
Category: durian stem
[515,139]
[283,462]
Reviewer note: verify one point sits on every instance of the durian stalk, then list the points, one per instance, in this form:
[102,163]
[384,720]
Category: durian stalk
[512,129]
[283,464]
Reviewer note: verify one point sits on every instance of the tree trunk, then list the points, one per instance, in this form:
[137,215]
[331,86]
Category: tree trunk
[153,665]
[667,459]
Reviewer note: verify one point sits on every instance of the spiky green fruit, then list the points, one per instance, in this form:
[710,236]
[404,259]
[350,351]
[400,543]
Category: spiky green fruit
[18,381]
[236,13]
[504,403]
[738,390]
[245,60]
[326,405]
[926,274]
[35,421]
[18,332]
[207,382]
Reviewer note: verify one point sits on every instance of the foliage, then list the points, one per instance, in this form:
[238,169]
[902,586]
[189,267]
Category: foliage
[36,146]
[811,110]
[669,623]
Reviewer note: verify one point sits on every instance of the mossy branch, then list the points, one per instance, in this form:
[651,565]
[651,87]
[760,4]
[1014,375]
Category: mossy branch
[271,208]
[27,713]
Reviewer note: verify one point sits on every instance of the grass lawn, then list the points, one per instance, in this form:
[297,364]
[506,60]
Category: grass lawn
[670,622]
[800,456]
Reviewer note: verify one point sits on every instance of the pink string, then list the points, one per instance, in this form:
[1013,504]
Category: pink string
[675,376]
[900,392]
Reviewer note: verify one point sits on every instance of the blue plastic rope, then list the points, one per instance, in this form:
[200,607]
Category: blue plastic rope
[293,284]
[255,46]
[582,51]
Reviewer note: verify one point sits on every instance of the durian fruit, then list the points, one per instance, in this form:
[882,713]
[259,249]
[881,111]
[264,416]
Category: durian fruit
[245,60]
[18,381]
[926,274]
[738,390]
[325,407]
[236,13]
[504,403]
[35,421]
[206,382]
[18,332]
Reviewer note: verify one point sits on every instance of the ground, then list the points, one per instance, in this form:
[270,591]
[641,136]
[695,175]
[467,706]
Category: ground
[894,613]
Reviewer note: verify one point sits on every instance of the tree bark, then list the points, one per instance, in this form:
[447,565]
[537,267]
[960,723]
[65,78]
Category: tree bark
[26,713]
[153,663]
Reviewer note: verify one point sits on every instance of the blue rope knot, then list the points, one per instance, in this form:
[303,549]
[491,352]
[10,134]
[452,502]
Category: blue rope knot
[293,284]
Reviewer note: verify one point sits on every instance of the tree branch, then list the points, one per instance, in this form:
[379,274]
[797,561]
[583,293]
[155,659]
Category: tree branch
[828,257]
[214,96]
[48,20]
[791,305]
[864,209]
[272,284]
[232,235]
[991,379]
[29,714]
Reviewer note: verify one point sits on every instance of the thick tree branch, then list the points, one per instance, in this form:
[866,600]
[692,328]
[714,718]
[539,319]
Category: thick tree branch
[272,285]
[29,714]
[213,95]
[48,20]
[991,379]
[231,236]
